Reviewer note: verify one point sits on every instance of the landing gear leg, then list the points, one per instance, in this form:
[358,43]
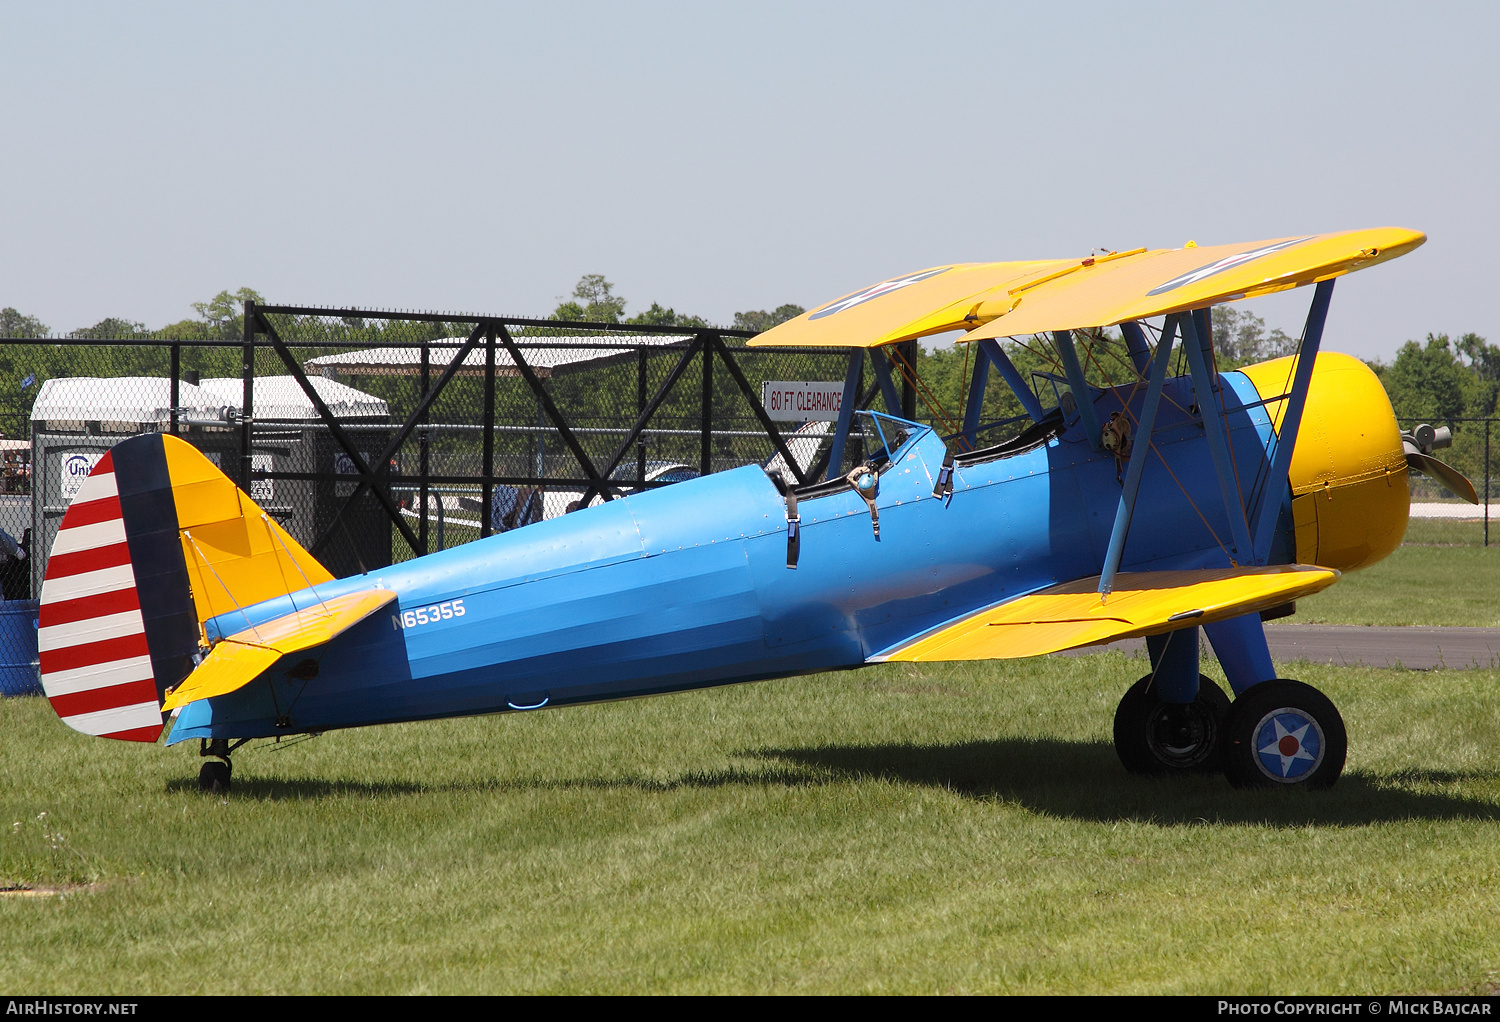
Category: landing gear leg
[215,774]
[1153,736]
[1172,719]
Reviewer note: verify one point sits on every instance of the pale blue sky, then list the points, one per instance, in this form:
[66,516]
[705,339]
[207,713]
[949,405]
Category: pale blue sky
[718,157]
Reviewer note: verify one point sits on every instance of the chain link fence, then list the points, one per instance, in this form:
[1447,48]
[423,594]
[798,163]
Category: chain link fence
[376,436]
[492,424]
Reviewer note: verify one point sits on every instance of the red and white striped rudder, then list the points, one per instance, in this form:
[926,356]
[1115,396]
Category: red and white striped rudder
[96,668]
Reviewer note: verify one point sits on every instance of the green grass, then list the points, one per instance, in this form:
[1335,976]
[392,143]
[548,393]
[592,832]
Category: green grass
[1450,532]
[1416,585]
[961,828]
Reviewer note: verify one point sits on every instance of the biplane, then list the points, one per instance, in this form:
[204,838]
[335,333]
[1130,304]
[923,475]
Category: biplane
[1165,505]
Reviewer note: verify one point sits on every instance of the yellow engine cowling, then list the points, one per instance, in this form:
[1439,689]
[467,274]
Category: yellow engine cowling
[1350,490]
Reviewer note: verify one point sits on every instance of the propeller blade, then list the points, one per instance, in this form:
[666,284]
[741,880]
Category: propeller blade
[1443,473]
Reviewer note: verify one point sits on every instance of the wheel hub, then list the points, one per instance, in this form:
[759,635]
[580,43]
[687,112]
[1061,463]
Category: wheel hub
[1182,735]
[1288,745]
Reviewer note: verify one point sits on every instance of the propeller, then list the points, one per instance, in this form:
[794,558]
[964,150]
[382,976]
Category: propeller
[1419,444]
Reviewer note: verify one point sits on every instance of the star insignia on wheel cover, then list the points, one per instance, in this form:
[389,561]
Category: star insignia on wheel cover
[1287,746]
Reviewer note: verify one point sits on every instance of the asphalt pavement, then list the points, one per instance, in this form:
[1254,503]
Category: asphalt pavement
[1413,647]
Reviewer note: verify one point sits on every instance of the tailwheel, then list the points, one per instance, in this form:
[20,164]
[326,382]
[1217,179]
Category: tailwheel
[1284,733]
[1157,737]
[214,776]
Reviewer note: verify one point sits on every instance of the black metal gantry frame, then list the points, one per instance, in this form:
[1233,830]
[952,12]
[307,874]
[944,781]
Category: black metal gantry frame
[509,332]
[494,333]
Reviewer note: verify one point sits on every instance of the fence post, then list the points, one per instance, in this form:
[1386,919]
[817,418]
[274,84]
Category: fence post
[247,400]
[487,492]
[1487,481]
[640,409]
[706,415]
[422,448]
[176,398]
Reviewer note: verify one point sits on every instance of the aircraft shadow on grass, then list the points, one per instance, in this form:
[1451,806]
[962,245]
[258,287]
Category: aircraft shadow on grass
[1084,780]
[1072,780]
[273,789]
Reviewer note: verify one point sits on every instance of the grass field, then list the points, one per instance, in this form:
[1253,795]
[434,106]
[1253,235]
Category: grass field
[1416,585]
[1450,532]
[964,828]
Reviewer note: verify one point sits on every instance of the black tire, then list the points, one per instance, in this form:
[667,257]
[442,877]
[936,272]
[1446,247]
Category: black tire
[214,777]
[1284,733]
[1155,737]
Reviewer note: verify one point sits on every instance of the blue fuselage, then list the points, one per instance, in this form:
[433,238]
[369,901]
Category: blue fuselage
[688,585]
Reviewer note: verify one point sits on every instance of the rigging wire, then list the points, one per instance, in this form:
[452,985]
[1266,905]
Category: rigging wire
[1239,489]
[189,537]
[910,377]
[1155,450]
[963,395]
[309,585]
[1135,387]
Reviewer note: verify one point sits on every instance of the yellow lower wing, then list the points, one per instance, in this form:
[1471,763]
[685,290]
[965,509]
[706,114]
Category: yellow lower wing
[241,658]
[1143,603]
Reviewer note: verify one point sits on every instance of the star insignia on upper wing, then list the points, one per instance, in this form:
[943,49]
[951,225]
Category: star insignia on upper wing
[1227,263]
[883,288]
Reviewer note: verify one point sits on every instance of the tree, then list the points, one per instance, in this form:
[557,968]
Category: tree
[1484,364]
[1428,380]
[224,313]
[186,330]
[761,321]
[658,316]
[13,324]
[109,328]
[593,301]
[1240,338]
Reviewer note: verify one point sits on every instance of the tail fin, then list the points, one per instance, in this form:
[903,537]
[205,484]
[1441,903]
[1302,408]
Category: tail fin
[156,541]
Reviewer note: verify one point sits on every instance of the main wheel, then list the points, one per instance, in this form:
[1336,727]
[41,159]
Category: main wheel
[1156,737]
[214,776]
[1284,732]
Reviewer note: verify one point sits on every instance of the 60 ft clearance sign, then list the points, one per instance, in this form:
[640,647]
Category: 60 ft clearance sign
[802,400]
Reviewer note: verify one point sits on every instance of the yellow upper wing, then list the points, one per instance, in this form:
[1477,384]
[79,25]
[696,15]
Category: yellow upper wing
[1143,603]
[1175,280]
[902,307]
[1012,299]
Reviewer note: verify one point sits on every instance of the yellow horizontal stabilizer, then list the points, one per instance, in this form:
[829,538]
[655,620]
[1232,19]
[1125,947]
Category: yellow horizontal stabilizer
[1163,281]
[241,658]
[1143,603]
[230,665]
[928,301]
